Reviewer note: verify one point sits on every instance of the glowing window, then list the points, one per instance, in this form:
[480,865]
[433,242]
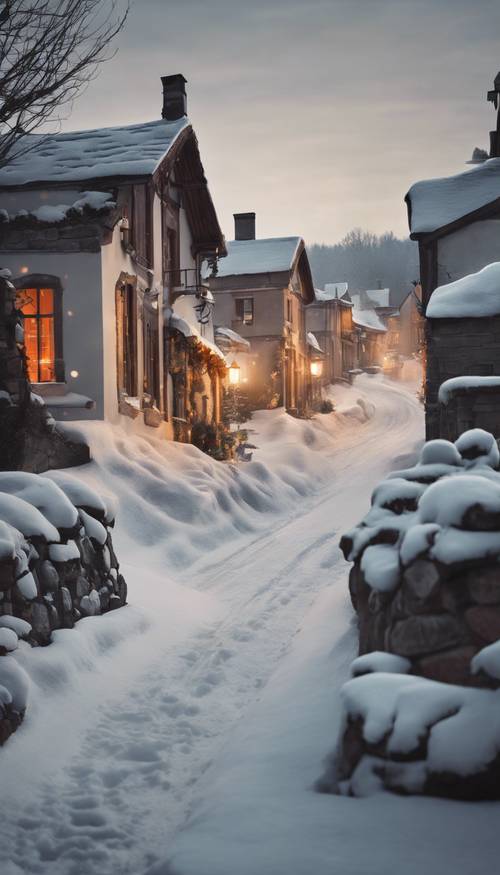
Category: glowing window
[37,305]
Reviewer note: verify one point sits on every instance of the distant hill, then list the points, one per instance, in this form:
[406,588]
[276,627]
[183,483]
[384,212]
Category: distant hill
[367,261]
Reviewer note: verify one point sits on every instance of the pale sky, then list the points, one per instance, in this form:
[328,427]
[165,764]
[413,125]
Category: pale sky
[318,115]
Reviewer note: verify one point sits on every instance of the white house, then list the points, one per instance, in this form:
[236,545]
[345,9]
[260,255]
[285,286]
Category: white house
[105,232]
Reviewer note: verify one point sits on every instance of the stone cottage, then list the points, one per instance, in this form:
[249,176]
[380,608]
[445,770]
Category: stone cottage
[456,219]
[261,290]
[105,232]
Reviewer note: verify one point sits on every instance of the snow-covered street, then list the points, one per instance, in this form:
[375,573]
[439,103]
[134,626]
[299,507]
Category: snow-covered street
[184,733]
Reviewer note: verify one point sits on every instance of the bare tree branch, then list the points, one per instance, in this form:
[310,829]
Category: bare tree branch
[49,51]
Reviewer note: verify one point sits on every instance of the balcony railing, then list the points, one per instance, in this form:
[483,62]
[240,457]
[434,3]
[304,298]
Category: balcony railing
[185,281]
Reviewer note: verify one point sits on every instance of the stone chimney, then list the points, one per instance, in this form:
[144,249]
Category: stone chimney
[174,97]
[244,226]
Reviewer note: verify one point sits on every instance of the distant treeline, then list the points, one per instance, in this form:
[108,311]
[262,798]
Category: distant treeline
[367,261]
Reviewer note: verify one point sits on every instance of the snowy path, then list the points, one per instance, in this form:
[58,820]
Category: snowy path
[118,790]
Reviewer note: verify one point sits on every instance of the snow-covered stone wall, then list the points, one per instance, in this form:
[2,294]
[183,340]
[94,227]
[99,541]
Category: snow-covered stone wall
[426,587]
[57,564]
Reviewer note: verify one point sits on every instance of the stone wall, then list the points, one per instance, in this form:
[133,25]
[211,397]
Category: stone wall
[456,347]
[474,407]
[425,584]
[57,564]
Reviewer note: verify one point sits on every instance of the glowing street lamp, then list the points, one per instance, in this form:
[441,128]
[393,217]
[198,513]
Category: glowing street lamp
[316,368]
[234,373]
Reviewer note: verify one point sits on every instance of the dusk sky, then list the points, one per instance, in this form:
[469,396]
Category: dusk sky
[316,114]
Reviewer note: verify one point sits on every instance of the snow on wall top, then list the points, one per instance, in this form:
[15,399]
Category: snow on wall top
[269,255]
[476,295]
[437,202]
[129,150]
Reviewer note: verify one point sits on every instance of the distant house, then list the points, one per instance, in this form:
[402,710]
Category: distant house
[261,290]
[105,232]
[463,347]
[456,219]
[329,317]
[372,333]
[411,323]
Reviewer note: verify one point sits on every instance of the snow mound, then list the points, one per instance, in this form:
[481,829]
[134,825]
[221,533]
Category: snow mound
[474,296]
[440,451]
[14,678]
[478,446]
[43,494]
[450,501]
[448,735]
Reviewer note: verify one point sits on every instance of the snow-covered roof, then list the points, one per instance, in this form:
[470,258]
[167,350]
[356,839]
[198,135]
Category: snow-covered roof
[313,342]
[366,318]
[128,150]
[475,295]
[331,292]
[229,337]
[269,255]
[189,330]
[380,297]
[438,202]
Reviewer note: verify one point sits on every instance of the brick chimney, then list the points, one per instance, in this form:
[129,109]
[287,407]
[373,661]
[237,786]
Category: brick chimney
[244,226]
[174,97]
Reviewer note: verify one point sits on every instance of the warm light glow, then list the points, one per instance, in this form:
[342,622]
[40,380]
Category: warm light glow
[74,374]
[70,312]
[316,369]
[234,373]
[24,269]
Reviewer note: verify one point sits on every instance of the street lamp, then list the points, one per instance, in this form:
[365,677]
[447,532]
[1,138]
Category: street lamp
[234,373]
[316,368]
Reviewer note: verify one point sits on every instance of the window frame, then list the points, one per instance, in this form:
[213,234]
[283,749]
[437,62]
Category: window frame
[40,281]
[126,337]
[241,310]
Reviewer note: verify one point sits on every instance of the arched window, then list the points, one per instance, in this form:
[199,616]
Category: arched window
[39,299]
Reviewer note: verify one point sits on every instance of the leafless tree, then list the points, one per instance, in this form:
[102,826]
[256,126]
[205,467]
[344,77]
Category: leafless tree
[49,50]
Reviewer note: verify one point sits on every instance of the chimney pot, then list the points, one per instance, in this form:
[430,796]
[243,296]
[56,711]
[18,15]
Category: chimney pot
[174,97]
[244,226]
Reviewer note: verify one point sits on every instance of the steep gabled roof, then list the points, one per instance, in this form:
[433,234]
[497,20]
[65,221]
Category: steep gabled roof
[434,204]
[125,151]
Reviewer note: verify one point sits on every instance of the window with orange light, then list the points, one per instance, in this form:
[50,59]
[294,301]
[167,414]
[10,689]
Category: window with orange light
[38,307]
